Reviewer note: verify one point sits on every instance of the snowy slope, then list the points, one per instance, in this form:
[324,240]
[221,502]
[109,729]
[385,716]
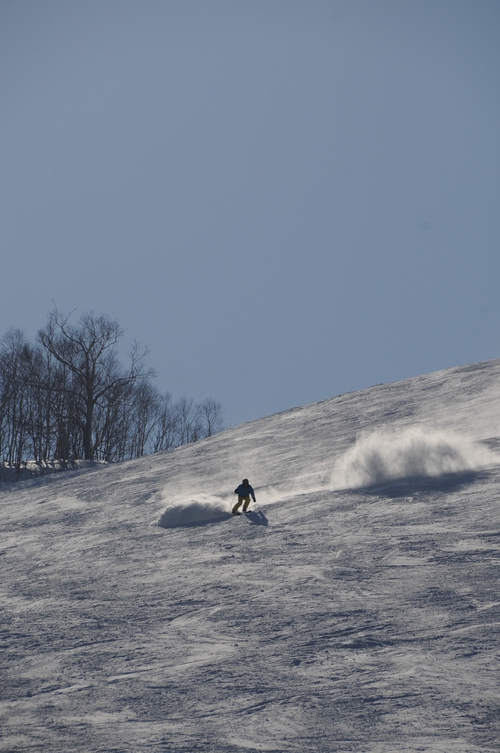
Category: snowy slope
[357,610]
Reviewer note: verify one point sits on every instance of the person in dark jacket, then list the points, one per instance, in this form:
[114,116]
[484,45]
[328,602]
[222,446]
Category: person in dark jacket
[244,492]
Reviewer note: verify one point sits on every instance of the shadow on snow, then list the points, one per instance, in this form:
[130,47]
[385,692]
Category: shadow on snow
[257,517]
[404,487]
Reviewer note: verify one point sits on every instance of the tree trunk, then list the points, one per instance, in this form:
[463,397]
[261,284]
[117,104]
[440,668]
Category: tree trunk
[87,430]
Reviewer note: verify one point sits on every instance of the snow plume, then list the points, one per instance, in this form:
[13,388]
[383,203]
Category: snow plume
[187,512]
[416,452]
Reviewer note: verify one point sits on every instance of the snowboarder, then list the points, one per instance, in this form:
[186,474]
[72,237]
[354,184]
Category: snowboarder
[244,492]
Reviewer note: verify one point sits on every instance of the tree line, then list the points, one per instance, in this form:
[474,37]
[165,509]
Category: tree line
[67,396]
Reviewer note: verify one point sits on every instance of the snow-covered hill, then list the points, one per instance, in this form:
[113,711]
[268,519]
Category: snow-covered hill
[357,609]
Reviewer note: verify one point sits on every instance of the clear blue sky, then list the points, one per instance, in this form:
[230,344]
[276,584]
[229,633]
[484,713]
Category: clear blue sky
[284,200]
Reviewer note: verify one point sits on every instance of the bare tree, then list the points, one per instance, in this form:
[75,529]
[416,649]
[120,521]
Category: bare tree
[145,415]
[189,424]
[38,405]
[166,433]
[68,397]
[89,353]
[14,359]
[211,414]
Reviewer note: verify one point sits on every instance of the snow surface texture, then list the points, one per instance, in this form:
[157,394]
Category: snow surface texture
[361,618]
[31,469]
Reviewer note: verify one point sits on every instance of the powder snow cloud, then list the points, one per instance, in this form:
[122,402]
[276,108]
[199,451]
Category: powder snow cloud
[192,511]
[417,452]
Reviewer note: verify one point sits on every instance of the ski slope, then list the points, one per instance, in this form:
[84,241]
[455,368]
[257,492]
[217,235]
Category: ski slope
[356,609]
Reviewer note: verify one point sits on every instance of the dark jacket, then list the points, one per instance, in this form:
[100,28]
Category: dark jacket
[245,491]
